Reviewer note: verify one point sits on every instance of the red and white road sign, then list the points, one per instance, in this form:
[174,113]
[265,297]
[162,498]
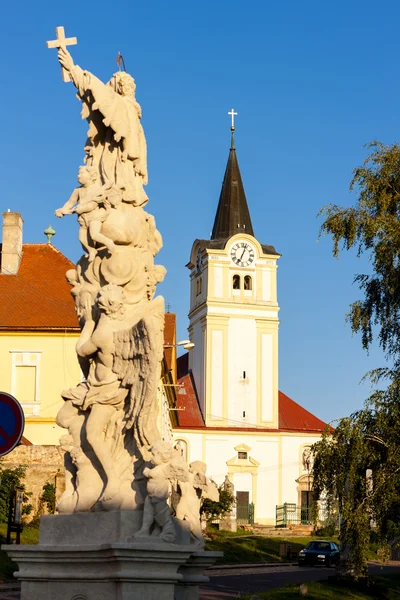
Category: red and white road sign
[12,422]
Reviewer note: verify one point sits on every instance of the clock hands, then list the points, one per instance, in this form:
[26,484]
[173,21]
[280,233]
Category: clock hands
[244,250]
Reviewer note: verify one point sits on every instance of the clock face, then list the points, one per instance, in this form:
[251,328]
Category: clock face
[242,254]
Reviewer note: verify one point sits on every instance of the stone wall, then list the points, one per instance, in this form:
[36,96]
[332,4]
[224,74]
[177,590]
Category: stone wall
[45,465]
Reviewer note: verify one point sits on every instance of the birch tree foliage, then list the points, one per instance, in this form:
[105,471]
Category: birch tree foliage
[358,464]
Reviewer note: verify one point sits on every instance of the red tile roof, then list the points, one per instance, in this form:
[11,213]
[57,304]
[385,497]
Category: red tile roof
[38,296]
[293,418]
[186,399]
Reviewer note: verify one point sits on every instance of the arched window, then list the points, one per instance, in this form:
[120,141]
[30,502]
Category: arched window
[248,284]
[181,447]
[236,282]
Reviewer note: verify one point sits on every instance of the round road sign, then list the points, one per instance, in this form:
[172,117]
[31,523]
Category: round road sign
[12,423]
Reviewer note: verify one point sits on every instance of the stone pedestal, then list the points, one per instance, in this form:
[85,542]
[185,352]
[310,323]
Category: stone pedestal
[94,556]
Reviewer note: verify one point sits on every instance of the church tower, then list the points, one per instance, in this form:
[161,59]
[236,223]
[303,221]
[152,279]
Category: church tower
[234,315]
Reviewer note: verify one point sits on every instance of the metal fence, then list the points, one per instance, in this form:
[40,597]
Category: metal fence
[245,514]
[291,514]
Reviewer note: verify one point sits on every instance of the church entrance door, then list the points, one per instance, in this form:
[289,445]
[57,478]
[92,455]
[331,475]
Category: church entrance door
[306,501]
[242,507]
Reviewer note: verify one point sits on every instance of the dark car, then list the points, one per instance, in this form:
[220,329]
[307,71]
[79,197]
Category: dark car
[319,553]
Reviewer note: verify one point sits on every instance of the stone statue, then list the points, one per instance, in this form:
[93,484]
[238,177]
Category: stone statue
[194,489]
[114,456]
[111,414]
[228,485]
[116,537]
[116,145]
[92,203]
[168,465]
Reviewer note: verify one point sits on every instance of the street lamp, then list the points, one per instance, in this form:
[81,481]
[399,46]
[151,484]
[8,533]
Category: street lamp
[187,345]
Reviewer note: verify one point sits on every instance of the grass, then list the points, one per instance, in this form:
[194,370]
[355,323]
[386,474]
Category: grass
[242,547]
[29,535]
[384,587]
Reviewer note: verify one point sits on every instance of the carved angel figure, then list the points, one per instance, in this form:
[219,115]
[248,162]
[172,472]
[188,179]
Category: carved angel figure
[193,490]
[168,466]
[124,369]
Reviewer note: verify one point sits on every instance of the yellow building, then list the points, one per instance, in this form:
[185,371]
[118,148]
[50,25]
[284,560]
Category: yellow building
[38,330]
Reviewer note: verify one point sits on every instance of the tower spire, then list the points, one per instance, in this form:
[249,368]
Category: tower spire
[233,214]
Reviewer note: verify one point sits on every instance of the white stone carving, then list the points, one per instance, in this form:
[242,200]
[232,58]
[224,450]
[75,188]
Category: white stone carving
[111,414]
[194,488]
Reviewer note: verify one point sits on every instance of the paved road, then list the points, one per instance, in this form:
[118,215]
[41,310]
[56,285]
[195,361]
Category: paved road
[233,583]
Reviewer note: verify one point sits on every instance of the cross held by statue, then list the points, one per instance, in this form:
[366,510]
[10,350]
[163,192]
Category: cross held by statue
[62,42]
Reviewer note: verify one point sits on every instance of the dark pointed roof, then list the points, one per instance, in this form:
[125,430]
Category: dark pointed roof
[233,214]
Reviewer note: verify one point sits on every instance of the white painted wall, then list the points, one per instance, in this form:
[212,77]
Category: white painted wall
[218,281]
[216,374]
[242,356]
[266,285]
[196,360]
[243,483]
[267,380]
[266,451]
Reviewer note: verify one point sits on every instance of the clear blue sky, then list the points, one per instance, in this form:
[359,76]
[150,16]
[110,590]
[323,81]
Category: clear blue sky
[312,82]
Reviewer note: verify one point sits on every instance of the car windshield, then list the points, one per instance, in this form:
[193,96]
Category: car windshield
[318,546]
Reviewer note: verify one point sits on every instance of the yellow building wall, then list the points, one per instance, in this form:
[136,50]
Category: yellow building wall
[35,368]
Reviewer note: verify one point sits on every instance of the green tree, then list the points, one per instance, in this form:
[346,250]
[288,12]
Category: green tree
[48,497]
[10,479]
[358,464]
[216,510]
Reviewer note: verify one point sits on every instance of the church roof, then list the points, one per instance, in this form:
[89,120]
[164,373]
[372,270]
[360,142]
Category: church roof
[38,297]
[293,418]
[233,214]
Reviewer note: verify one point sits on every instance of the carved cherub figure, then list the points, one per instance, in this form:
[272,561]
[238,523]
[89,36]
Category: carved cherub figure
[168,465]
[92,203]
[197,487]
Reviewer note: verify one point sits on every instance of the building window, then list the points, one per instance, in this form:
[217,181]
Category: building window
[25,379]
[199,286]
[248,285]
[236,282]
[242,455]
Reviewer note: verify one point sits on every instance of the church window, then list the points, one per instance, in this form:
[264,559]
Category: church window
[236,282]
[248,283]
[242,455]
[199,286]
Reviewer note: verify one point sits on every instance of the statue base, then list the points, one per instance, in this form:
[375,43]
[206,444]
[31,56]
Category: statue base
[94,556]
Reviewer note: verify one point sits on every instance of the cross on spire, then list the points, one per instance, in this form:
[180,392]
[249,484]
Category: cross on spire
[233,114]
[62,42]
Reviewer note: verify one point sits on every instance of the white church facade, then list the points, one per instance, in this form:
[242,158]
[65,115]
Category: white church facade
[231,413]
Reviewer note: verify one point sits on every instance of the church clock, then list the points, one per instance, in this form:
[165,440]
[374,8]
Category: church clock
[242,254]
